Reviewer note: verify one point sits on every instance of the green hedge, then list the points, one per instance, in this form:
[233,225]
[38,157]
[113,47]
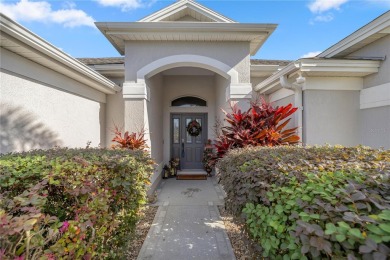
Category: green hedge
[315,202]
[70,203]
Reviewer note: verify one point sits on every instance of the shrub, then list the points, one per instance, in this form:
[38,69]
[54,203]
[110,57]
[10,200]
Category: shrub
[261,125]
[77,203]
[317,202]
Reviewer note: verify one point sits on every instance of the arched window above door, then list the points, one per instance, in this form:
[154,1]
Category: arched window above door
[189,102]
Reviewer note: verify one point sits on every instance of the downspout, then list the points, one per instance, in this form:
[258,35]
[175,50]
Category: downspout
[297,88]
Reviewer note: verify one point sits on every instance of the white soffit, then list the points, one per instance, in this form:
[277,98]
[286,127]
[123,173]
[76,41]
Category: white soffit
[369,33]
[319,68]
[337,67]
[119,32]
[183,8]
[23,42]
[110,70]
[264,70]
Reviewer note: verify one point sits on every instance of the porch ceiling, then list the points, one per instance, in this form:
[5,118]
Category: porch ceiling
[118,33]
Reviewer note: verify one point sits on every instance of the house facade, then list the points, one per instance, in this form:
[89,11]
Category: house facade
[185,63]
[344,92]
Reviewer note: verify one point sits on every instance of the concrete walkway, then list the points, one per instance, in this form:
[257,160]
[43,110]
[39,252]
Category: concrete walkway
[187,224]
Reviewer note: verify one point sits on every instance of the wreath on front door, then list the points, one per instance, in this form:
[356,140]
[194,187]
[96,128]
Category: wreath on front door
[194,128]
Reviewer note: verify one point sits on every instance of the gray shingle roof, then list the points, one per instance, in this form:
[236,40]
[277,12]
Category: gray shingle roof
[102,61]
[120,60]
[270,62]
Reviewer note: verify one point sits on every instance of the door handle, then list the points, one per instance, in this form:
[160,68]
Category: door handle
[182,149]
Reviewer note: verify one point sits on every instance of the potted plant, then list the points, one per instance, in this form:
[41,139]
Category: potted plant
[208,158]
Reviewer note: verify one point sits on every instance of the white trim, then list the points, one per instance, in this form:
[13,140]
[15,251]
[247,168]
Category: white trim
[272,81]
[280,94]
[69,66]
[136,91]
[377,96]
[320,67]
[339,67]
[239,91]
[264,70]
[110,67]
[187,61]
[183,4]
[333,83]
[379,25]
[120,32]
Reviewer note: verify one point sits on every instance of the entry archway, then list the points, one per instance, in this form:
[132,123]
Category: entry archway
[199,61]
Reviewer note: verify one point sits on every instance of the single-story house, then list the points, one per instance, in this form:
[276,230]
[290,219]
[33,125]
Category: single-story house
[184,63]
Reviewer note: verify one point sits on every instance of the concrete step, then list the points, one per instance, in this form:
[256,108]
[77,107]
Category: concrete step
[191,175]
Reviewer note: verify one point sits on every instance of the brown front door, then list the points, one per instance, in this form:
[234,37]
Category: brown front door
[184,146]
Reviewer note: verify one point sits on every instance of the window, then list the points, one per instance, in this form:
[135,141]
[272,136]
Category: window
[189,102]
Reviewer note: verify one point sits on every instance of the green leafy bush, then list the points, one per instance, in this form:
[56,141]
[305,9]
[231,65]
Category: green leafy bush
[328,215]
[77,203]
[317,202]
[248,173]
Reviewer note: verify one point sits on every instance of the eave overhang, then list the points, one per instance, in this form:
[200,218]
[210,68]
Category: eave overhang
[178,7]
[319,68]
[264,70]
[378,28]
[23,42]
[110,70]
[118,32]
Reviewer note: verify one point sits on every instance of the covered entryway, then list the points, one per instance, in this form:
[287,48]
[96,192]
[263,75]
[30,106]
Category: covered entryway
[188,140]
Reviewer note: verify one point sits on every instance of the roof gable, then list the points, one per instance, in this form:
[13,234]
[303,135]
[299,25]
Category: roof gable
[186,10]
[373,31]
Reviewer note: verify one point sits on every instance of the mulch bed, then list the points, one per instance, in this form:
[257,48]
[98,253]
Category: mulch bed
[142,229]
[243,246]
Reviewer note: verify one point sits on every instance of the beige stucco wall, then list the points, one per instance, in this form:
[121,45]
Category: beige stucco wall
[115,108]
[284,102]
[331,117]
[40,108]
[221,84]
[379,48]
[154,123]
[234,54]
[375,127]
[375,117]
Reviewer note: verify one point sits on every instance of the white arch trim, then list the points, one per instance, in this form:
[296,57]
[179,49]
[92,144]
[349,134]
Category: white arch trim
[187,61]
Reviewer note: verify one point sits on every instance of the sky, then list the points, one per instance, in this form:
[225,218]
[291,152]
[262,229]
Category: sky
[305,27]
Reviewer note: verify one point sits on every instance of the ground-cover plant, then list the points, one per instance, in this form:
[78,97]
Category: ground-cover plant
[85,205]
[328,215]
[261,125]
[315,202]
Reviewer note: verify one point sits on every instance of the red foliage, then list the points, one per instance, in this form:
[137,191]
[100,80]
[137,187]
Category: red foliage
[132,141]
[260,125]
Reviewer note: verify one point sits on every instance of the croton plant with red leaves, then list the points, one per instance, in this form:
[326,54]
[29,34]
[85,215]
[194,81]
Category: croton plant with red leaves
[261,125]
[132,141]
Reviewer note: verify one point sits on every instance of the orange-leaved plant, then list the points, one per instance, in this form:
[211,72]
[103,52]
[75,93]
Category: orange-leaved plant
[132,141]
[261,125]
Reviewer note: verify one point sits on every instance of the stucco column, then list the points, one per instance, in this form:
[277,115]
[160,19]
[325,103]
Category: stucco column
[239,94]
[136,96]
